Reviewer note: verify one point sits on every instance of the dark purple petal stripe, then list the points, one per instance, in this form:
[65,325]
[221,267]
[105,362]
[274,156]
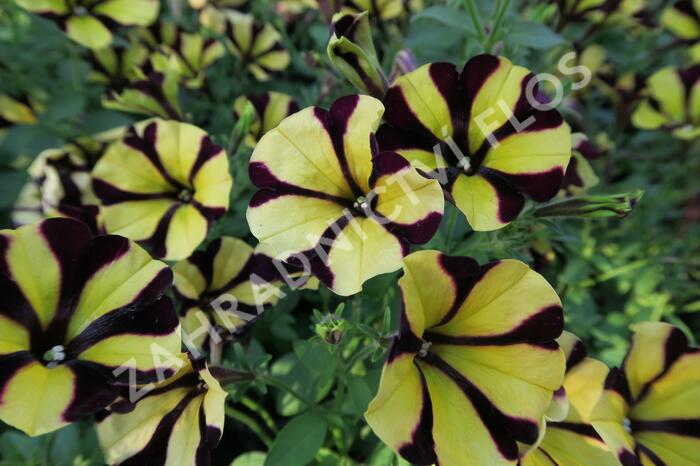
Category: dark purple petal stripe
[542,327]
[421,449]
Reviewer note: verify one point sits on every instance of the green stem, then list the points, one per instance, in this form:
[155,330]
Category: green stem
[286,388]
[251,423]
[451,220]
[497,25]
[470,5]
[359,356]
[264,414]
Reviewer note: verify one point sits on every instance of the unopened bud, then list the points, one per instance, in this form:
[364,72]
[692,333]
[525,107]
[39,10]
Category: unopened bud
[352,52]
[600,206]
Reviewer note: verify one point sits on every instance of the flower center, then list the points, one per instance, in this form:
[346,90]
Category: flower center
[627,424]
[55,356]
[361,204]
[424,349]
[80,11]
[185,196]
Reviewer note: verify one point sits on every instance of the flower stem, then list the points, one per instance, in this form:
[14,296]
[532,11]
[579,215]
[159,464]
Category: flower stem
[251,423]
[500,13]
[286,388]
[470,5]
[264,414]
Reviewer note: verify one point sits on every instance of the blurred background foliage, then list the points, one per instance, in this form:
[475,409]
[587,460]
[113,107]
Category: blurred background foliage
[305,403]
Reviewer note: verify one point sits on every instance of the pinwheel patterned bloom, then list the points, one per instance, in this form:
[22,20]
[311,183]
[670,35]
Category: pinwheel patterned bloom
[87,21]
[75,310]
[672,102]
[212,13]
[192,53]
[270,109]
[60,182]
[327,196]
[258,47]
[119,65]
[162,185]
[176,422]
[385,10]
[572,439]
[580,176]
[479,134]
[224,287]
[649,411]
[152,92]
[475,365]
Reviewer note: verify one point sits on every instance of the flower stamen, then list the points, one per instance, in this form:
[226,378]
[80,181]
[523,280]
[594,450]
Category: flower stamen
[55,356]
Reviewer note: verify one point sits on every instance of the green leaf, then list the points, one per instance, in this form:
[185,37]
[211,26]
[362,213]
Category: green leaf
[10,185]
[254,458]
[450,17]
[299,441]
[533,35]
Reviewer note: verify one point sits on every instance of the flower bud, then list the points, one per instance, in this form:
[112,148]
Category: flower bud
[331,330]
[600,206]
[351,50]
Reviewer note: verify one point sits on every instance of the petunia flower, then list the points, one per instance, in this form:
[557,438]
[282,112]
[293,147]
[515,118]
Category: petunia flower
[649,411]
[80,316]
[385,10]
[672,102]
[224,287]
[152,92]
[270,109]
[88,21]
[119,65]
[212,13]
[474,367]
[625,12]
[258,47]
[176,422]
[162,185]
[60,182]
[580,176]
[330,201]
[192,53]
[481,133]
[572,439]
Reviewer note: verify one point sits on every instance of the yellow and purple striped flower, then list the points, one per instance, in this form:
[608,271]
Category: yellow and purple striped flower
[672,102]
[162,185]
[270,109]
[152,91]
[572,439]
[258,46]
[224,287]
[475,365]
[384,10]
[212,13]
[75,309]
[176,422]
[60,182]
[480,132]
[88,21]
[330,200]
[191,53]
[649,412]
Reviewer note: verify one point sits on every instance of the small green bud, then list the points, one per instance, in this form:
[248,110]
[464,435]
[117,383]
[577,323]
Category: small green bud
[599,206]
[331,330]
[352,52]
